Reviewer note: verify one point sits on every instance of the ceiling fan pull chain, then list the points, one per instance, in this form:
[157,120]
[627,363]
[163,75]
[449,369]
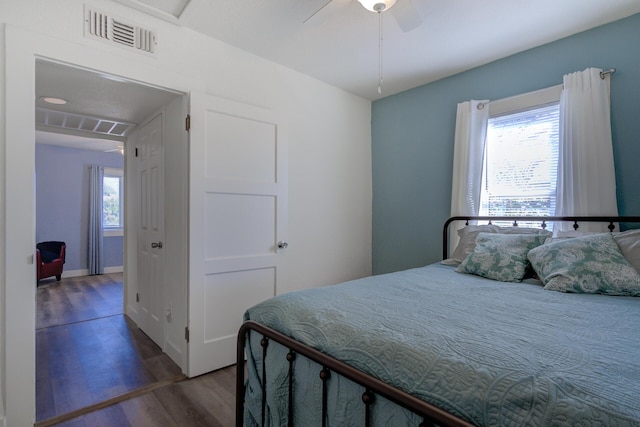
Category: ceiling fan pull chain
[380,38]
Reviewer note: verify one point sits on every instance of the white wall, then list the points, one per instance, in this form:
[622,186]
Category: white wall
[2,232]
[329,228]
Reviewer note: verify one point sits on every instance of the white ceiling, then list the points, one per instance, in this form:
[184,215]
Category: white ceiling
[339,45]
[94,95]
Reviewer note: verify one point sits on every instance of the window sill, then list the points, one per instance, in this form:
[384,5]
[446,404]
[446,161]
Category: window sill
[114,232]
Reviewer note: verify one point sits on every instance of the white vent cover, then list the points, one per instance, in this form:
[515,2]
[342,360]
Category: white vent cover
[81,123]
[108,28]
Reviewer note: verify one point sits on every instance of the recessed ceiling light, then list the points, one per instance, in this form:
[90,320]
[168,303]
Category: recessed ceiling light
[52,100]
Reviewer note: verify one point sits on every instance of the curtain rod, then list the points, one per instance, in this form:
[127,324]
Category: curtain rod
[603,75]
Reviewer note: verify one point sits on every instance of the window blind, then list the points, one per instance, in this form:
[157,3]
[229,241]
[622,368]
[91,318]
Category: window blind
[520,164]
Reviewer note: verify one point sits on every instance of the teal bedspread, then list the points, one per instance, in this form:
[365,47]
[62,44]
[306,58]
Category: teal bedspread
[492,353]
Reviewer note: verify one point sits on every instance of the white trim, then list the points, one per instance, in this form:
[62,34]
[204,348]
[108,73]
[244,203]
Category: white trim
[75,273]
[85,272]
[525,101]
[158,13]
[174,352]
[112,232]
[113,172]
[19,230]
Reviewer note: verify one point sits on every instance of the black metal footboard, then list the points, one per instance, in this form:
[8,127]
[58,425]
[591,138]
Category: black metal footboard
[328,366]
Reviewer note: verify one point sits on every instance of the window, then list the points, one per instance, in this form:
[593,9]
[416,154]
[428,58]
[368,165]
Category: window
[112,202]
[521,156]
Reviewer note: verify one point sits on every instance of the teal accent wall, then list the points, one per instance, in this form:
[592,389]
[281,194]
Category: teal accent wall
[413,131]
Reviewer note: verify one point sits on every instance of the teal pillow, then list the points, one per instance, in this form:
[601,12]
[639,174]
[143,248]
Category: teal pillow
[591,264]
[501,257]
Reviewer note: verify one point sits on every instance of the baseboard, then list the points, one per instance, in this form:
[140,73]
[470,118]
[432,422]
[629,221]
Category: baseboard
[175,354]
[85,272]
[75,273]
[133,314]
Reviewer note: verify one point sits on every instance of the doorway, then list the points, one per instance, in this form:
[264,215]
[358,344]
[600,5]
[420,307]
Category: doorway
[88,353]
[96,96]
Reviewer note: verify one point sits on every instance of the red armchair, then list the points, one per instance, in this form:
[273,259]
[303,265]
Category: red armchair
[50,258]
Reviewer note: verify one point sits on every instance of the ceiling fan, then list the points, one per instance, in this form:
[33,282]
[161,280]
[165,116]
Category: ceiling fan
[404,11]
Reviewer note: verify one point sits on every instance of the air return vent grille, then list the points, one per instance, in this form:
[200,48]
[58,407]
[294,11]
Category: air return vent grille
[47,119]
[115,30]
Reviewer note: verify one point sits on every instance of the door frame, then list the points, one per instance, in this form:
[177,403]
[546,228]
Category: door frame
[22,49]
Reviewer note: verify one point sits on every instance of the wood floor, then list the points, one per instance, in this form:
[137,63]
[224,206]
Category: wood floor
[94,367]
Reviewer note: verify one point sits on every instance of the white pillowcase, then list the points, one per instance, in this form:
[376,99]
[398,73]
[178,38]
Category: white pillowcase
[469,234]
[629,244]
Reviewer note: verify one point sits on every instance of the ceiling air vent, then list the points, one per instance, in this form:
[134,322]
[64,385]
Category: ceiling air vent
[81,124]
[115,30]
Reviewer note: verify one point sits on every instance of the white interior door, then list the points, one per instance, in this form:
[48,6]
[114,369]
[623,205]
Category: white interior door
[150,231]
[237,221]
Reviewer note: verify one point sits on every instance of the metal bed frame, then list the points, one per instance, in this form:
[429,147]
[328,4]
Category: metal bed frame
[372,387]
[543,220]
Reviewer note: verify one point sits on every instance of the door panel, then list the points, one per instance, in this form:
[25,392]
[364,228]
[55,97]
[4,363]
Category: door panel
[151,230]
[245,225]
[231,292]
[238,202]
[235,137]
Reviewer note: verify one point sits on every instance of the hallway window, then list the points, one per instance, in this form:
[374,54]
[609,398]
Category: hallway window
[112,201]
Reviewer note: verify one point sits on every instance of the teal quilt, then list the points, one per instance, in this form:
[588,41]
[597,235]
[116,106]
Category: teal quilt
[492,353]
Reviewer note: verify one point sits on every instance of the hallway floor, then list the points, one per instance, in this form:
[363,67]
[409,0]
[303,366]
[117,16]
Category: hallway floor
[94,367]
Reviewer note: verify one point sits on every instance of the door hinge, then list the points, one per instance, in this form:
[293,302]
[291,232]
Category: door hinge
[136,151]
[137,297]
[187,122]
[186,333]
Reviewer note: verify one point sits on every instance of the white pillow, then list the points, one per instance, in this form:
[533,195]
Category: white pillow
[629,244]
[469,233]
[467,242]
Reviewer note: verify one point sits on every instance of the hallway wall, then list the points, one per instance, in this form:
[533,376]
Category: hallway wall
[62,203]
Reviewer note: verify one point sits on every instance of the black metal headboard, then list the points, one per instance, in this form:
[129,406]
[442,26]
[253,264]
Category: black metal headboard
[543,220]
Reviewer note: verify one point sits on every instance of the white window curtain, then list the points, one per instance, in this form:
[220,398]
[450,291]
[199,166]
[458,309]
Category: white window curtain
[586,183]
[96,264]
[468,152]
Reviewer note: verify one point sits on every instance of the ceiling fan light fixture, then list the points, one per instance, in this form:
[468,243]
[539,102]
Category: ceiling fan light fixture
[377,5]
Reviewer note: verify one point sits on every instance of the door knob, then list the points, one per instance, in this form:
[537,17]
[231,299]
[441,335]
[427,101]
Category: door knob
[282,244]
[156,245]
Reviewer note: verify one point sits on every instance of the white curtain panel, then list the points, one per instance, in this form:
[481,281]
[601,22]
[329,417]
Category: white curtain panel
[468,153]
[95,255]
[586,182]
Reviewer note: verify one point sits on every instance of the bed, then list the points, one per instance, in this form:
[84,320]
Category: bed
[441,345]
